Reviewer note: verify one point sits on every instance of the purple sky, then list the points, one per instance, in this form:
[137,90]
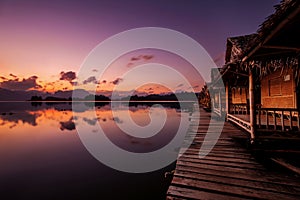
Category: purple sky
[44,38]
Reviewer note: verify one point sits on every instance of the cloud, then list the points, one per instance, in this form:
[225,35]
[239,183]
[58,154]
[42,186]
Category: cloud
[196,86]
[104,81]
[12,75]
[149,89]
[129,64]
[135,58]
[74,83]
[3,78]
[116,81]
[24,84]
[95,70]
[67,76]
[180,85]
[147,57]
[91,79]
[142,57]
[139,58]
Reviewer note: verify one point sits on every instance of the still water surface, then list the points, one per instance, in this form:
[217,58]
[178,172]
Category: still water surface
[42,157]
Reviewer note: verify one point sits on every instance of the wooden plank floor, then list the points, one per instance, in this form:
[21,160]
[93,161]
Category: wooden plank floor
[229,171]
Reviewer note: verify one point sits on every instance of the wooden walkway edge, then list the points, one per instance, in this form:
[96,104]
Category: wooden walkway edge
[229,171]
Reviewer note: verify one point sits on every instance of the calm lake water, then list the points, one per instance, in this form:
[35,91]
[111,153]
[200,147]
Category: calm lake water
[42,156]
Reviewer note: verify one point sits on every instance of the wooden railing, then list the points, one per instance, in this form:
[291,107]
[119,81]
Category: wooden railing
[240,108]
[278,118]
[217,111]
[240,122]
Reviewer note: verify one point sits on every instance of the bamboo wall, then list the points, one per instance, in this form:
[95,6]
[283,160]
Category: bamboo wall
[239,95]
[278,89]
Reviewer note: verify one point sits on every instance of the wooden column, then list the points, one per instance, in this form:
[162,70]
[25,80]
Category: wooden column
[252,106]
[226,99]
[220,101]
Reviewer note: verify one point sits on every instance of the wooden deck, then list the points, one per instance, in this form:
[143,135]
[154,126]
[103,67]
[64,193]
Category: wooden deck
[229,171]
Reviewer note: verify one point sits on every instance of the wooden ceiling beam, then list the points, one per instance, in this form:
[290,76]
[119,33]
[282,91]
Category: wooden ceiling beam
[281,47]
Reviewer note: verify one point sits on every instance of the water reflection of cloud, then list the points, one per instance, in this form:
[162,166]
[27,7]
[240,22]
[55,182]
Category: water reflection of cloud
[67,125]
[15,118]
[91,122]
[117,120]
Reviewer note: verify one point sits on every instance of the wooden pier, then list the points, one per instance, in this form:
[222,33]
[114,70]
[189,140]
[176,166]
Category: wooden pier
[229,171]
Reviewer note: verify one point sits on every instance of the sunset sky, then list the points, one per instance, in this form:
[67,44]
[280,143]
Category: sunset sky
[43,43]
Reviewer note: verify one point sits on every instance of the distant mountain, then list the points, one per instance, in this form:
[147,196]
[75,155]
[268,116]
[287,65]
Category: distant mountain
[18,95]
[9,95]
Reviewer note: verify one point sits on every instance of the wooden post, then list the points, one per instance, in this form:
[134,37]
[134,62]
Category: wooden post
[252,106]
[226,99]
[291,120]
[212,99]
[275,120]
[259,118]
[282,120]
[220,103]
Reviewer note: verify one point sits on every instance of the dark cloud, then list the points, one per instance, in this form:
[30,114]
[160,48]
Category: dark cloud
[24,84]
[135,58]
[12,75]
[149,89]
[180,85]
[74,83]
[116,81]
[3,78]
[67,76]
[147,57]
[142,57]
[104,81]
[139,58]
[91,79]
[95,70]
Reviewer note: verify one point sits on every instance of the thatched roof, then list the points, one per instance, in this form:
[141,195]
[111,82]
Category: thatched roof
[282,15]
[275,44]
[240,43]
[282,11]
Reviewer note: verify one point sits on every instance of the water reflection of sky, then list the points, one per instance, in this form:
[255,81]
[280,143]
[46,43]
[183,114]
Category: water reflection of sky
[41,155]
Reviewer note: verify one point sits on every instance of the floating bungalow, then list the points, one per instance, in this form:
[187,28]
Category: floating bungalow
[258,90]
[261,77]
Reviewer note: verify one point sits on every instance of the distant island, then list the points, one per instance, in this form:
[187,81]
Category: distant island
[87,98]
[83,95]
[187,96]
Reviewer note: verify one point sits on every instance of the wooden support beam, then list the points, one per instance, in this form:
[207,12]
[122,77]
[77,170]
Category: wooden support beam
[252,106]
[227,99]
[220,103]
[281,47]
[286,165]
[282,120]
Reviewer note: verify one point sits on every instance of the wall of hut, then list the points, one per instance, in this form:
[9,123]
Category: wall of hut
[239,95]
[278,89]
